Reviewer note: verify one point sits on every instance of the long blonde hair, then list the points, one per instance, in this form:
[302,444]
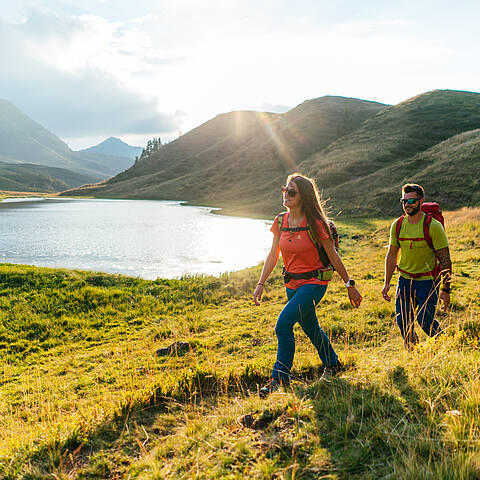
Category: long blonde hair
[312,204]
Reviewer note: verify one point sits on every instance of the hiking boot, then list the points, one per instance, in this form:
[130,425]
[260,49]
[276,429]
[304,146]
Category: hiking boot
[272,386]
[330,372]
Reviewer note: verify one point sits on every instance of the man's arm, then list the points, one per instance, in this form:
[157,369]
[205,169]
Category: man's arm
[443,255]
[390,264]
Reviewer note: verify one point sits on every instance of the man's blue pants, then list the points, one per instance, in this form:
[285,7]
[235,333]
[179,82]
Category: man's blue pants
[416,300]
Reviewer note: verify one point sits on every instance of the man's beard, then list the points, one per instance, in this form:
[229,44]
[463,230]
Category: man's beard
[413,212]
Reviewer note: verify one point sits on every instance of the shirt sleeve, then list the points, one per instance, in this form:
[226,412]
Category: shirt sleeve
[322,231]
[393,234]
[438,235]
[274,228]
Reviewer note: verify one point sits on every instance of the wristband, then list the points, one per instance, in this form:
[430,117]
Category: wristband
[260,284]
[446,289]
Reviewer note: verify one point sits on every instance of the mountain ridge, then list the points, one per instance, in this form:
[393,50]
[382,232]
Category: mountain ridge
[114,146]
[23,140]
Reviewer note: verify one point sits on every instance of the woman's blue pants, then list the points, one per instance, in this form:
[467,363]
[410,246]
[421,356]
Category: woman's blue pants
[301,308]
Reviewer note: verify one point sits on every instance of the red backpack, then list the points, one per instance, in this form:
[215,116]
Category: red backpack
[432,210]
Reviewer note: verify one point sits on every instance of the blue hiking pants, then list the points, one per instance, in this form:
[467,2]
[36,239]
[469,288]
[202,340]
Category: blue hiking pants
[416,300]
[301,308]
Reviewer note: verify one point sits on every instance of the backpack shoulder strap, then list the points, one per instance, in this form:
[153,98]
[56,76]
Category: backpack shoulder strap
[321,251]
[398,227]
[310,234]
[280,220]
[426,230]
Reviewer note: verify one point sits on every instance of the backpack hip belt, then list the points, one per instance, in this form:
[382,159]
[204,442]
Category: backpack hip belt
[435,272]
[322,274]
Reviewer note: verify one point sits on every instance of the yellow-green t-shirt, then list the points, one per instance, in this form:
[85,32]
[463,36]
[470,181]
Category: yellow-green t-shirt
[415,255]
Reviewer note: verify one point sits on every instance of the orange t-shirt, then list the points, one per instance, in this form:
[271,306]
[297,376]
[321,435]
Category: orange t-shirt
[298,251]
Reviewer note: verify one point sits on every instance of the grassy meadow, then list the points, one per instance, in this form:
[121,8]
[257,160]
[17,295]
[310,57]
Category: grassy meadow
[83,395]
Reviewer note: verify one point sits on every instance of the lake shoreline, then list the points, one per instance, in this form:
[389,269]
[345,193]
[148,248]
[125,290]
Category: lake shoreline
[145,238]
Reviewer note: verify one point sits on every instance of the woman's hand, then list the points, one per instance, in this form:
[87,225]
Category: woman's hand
[257,294]
[354,296]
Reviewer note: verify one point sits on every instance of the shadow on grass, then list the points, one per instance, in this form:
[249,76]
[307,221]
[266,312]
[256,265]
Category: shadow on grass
[371,433]
[125,432]
[366,431]
[360,426]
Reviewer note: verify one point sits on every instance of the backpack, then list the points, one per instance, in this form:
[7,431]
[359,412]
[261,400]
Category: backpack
[432,210]
[321,251]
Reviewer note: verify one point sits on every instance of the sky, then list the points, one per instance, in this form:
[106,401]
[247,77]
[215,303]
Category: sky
[158,68]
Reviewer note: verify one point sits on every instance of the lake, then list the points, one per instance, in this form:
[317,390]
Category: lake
[143,238]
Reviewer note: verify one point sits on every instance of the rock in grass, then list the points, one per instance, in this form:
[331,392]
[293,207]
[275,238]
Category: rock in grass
[174,348]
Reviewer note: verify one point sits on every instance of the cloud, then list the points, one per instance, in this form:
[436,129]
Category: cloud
[275,108]
[72,97]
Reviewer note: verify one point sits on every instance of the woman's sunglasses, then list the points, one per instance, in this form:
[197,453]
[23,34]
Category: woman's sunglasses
[409,201]
[289,191]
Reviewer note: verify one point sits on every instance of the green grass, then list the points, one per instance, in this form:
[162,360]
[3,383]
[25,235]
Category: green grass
[82,394]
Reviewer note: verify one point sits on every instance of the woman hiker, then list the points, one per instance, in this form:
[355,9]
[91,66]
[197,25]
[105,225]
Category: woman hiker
[306,276]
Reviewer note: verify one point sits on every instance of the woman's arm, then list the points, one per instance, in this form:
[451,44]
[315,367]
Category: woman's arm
[336,261]
[268,266]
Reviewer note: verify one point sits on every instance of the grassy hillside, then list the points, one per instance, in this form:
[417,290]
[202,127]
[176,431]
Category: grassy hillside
[449,172]
[82,394]
[38,178]
[233,158]
[385,150]
[359,152]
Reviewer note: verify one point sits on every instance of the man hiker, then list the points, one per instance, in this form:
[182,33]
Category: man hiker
[425,266]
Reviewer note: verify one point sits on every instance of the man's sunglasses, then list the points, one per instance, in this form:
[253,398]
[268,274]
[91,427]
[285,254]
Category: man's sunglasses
[409,201]
[289,191]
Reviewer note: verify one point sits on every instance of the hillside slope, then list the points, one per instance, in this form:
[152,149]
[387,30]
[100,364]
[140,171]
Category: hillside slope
[382,153]
[359,152]
[449,172]
[26,177]
[22,140]
[231,158]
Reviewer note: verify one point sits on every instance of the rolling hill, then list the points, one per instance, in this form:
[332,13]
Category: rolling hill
[360,153]
[449,171]
[397,146]
[26,177]
[235,157]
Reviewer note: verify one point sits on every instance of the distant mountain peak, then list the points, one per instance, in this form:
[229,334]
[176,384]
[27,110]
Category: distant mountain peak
[116,147]
[115,140]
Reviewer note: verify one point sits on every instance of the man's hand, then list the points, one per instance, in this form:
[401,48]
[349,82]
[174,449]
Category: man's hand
[257,294]
[445,299]
[354,296]
[385,295]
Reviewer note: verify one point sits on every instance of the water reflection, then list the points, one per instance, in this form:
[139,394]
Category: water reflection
[144,238]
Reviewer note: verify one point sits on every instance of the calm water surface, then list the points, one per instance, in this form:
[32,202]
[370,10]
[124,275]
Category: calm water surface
[149,239]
